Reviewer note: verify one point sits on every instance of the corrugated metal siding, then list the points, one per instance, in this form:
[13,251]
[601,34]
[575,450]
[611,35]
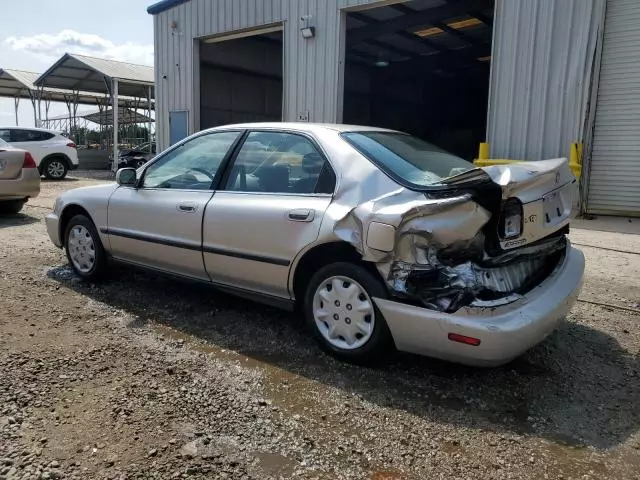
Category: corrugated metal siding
[614,177]
[312,68]
[540,77]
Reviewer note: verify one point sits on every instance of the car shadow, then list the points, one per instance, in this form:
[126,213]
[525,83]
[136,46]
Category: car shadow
[16,220]
[66,179]
[578,388]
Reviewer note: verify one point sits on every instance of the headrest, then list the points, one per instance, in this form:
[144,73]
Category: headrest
[274,178]
[312,162]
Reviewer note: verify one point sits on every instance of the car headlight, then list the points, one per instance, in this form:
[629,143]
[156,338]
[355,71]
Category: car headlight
[511,220]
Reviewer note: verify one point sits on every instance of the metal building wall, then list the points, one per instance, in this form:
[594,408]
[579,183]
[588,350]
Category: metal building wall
[612,176]
[312,80]
[541,73]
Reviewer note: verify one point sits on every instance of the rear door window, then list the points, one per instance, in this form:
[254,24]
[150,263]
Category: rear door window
[282,163]
[24,135]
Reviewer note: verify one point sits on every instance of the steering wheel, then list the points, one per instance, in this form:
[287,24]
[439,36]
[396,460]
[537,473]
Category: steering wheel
[203,171]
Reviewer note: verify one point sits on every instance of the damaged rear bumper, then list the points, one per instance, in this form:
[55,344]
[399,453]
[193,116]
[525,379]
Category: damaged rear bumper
[505,332]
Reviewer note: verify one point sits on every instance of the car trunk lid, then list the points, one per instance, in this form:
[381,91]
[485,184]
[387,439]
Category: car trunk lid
[544,188]
[11,161]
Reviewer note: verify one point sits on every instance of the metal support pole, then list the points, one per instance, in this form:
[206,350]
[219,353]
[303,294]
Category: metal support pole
[35,113]
[67,101]
[149,113]
[34,103]
[16,101]
[39,90]
[114,106]
[47,104]
[75,96]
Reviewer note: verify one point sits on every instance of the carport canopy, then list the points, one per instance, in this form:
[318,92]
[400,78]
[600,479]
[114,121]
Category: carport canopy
[108,77]
[125,116]
[21,84]
[90,74]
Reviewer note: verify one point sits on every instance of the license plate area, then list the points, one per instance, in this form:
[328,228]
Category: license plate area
[556,206]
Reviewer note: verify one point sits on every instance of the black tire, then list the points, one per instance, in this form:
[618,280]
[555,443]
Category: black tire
[11,207]
[377,348]
[55,168]
[100,263]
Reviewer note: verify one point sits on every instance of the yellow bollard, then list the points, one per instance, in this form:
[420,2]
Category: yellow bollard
[575,159]
[483,151]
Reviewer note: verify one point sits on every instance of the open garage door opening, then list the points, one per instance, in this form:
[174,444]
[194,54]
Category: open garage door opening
[241,78]
[421,67]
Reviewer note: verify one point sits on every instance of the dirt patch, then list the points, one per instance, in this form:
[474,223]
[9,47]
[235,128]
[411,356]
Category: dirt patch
[149,377]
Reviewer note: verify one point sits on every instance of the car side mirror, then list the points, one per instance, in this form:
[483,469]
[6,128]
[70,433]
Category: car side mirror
[126,177]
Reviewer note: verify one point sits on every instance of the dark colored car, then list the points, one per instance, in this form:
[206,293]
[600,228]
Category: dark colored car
[136,156]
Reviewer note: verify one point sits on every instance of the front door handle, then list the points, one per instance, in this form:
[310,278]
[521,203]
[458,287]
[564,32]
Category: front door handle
[187,207]
[301,215]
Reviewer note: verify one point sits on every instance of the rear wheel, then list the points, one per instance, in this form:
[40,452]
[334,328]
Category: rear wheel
[85,252]
[55,168]
[11,207]
[340,310]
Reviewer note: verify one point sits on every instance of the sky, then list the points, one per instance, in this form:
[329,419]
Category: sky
[35,33]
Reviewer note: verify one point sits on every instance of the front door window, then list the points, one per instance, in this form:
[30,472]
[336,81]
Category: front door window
[192,165]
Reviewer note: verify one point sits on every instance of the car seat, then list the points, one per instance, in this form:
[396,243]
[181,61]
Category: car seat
[274,179]
[312,164]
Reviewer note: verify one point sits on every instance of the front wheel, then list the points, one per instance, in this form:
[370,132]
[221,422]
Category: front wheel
[85,252]
[340,310]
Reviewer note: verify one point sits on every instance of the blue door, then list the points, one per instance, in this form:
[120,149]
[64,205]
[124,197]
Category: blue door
[178,126]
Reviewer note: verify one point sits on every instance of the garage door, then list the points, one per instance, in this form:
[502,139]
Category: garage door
[614,184]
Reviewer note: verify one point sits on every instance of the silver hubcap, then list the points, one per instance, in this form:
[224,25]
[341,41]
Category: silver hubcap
[55,169]
[343,312]
[81,248]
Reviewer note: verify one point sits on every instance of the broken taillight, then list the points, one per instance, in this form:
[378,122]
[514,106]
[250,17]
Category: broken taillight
[511,219]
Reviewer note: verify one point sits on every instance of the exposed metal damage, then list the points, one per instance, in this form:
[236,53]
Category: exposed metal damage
[443,252]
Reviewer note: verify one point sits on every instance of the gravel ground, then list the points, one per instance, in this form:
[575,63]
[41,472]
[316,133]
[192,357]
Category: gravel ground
[151,377]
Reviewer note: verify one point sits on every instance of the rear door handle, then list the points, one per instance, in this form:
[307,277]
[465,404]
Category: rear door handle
[301,215]
[187,207]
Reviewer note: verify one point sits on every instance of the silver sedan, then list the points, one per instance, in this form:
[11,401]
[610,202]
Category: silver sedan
[19,178]
[380,239]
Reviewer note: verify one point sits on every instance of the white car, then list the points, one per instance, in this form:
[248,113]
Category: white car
[53,153]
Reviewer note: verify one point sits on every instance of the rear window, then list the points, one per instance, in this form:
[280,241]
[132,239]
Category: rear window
[408,159]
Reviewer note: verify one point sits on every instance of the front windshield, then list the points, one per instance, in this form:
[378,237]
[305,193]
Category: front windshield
[409,158]
[3,143]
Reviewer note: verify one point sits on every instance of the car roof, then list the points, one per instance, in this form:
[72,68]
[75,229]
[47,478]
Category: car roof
[304,127]
[18,127]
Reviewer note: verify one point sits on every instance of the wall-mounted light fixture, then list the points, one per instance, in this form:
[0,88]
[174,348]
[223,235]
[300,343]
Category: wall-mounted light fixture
[174,28]
[307,30]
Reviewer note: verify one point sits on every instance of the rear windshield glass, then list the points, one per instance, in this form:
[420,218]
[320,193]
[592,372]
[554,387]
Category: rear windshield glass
[408,158]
